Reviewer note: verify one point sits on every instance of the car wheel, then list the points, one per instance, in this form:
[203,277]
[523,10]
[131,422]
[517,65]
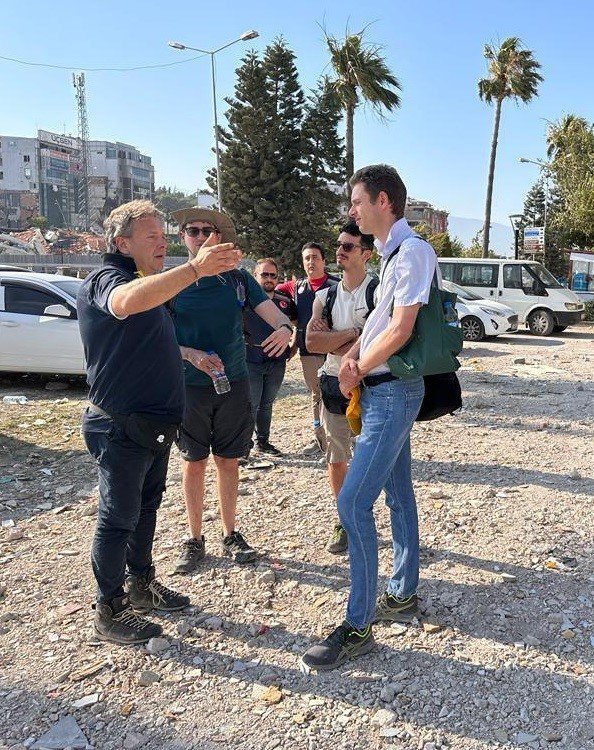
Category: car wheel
[472,328]
[559,329]
[541,323]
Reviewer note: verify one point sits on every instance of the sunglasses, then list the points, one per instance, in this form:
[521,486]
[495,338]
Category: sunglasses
[347,246]
[204,231]
[268,275]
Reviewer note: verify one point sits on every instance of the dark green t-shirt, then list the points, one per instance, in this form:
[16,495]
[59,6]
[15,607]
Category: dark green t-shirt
[208,316]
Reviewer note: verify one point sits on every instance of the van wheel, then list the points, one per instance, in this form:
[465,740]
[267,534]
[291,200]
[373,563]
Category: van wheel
[472,328]
[541,323]
[559,329]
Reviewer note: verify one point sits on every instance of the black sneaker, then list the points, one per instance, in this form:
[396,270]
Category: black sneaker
[339,540]
[263,446]
[391,609]
[146,593]
[236,547]
[344,643]
[118,623]
[193,551]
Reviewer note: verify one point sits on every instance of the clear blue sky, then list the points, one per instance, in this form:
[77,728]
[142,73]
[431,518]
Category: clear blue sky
[439,139]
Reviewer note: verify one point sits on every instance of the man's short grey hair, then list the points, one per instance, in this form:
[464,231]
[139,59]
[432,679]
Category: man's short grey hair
[119,221]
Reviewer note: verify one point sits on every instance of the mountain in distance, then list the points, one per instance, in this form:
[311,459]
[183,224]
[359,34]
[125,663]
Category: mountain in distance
[501,241]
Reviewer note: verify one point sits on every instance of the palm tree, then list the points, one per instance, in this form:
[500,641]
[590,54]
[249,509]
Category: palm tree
[361,73]
[513,74]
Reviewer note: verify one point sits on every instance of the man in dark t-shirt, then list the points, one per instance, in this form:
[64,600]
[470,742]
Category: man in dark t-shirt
[266,373]
[134,370]
[209,328]
[303,293]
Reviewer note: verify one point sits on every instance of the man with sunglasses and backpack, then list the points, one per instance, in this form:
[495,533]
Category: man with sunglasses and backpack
[208,318]
[338,316]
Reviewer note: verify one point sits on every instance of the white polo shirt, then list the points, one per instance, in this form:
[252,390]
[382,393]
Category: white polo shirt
[405,281]
[349,311]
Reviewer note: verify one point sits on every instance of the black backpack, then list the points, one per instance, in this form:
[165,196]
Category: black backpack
[331,299]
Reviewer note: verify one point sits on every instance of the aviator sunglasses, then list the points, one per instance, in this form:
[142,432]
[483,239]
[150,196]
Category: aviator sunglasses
[204,231]
[268,274]
[346,246]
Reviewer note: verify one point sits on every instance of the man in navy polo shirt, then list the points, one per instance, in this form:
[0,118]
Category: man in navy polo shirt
[135,374]
[266,373]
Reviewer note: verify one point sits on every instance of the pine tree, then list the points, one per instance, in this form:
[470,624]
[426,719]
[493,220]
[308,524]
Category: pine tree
[278,155]
[324,171]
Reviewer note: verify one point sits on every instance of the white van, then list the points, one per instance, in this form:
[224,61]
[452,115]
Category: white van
[542,303]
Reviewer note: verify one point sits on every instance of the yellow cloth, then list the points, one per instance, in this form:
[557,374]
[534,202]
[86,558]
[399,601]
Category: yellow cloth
[353,412]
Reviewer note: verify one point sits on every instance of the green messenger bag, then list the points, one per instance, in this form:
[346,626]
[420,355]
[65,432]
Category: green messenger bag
[435,341]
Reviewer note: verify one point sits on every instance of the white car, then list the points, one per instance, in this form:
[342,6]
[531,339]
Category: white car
[38,324]
[480,317]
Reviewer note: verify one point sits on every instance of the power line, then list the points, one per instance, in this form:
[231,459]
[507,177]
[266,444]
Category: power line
[99,70]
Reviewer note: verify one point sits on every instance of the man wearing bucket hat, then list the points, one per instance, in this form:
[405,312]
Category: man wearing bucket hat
[209,328]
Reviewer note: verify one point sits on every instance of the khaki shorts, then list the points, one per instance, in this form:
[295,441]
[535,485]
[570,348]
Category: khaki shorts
[338,436]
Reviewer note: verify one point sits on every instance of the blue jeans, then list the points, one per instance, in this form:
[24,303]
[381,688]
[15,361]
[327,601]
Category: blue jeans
[265,382]
[131,484]
[382,461]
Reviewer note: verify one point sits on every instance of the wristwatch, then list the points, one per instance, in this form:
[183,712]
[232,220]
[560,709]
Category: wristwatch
[285,325]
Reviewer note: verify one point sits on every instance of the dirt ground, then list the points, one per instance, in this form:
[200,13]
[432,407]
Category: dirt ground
[502,656]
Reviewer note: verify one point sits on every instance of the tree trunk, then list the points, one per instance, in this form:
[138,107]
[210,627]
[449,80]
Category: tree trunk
[487,227]
[350,148]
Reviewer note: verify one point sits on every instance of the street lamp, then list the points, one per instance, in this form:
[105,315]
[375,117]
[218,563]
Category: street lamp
[251,34]
[515,222]
[545,168]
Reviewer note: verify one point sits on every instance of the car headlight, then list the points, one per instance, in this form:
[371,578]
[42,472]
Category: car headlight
[574,306]
[491,311]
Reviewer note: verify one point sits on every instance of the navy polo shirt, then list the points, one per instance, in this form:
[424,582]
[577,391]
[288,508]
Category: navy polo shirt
[256,330]
[133,365]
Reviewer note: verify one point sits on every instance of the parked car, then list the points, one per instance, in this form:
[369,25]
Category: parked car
[7,267]
[539,300]
[38,324]
[480,317]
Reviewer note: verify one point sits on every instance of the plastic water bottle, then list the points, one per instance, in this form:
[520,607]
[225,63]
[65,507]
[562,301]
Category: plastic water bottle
[220,380]
[450,313]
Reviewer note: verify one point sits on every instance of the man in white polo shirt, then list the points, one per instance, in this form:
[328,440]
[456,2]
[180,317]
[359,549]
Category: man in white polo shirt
[338,316]
[389,407]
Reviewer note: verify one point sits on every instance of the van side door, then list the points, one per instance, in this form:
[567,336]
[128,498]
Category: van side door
[480,278]
[521,290]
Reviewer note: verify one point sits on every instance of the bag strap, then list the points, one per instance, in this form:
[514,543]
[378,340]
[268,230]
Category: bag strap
[329,304]
[370,295]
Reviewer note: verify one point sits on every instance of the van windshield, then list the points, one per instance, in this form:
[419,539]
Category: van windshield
[546,277]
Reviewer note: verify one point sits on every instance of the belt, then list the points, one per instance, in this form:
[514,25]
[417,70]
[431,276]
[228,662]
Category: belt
[385,377]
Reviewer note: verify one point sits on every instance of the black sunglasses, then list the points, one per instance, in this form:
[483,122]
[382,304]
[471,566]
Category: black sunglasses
[268,274]
[204,231]
[348,246]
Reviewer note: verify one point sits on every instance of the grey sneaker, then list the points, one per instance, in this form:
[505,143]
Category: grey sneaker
[236,547]
[118,623]
[312,449]
[193,551]
[338,541]
[342,644]
[391,609]
[146,594]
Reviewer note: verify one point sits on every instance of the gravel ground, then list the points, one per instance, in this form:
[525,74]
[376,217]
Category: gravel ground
[502,657]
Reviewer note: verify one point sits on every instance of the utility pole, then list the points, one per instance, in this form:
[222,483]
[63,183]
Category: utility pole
[78,79]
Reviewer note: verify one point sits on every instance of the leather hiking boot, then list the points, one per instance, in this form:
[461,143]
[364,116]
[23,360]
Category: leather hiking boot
[339,541]
[391,609]
[146,594]
[343,643]
[118,623]
[193,551]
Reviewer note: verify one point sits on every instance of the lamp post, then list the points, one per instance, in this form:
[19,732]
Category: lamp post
[515,220]
[545,168]
[251,34]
